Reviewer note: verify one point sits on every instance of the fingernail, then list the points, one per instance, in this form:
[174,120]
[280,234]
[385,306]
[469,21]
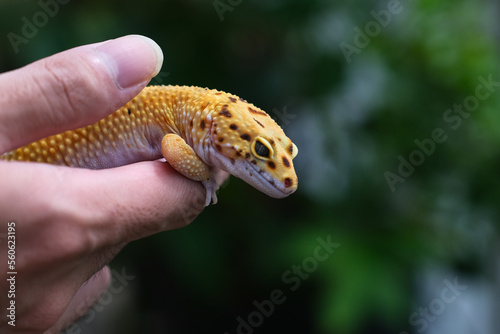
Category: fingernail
[131,59]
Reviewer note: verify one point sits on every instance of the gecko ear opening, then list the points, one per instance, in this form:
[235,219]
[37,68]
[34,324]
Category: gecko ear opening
[262,149]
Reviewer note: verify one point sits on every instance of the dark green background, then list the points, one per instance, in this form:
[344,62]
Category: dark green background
[353,121]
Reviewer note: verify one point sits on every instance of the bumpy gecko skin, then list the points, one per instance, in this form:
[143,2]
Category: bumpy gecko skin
[197,130]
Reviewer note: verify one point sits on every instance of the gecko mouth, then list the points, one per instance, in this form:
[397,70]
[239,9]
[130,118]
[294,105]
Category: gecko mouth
[273,187]
[253,175]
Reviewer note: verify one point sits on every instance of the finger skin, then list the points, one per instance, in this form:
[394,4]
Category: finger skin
[71,89]
[60,306]
[106,207]
[86,296]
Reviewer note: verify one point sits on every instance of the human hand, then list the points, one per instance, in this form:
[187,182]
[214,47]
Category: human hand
[70,222]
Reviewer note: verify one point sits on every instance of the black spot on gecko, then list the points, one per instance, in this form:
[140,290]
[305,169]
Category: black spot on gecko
[243,100]
[218,93]
[191,123]
[220,139]
[286,162]
[128,111]
[232,161]
[202,124]
[232,99]
[259,123]
[218,147]
[225,111]
[247,155]
[233,126]
[271,164]
[258,112]
[290,149]
[246,137]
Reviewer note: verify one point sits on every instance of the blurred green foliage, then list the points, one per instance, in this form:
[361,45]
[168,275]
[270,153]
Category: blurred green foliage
[353,119]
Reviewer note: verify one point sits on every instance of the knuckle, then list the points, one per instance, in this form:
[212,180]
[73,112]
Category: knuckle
[65,232]
[70,239]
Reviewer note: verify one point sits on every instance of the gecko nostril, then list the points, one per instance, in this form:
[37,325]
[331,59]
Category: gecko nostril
[288,182]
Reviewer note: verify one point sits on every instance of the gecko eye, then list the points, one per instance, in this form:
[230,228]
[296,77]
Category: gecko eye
[261,148]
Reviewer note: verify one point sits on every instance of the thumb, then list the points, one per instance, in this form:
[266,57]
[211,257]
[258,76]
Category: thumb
[74,88]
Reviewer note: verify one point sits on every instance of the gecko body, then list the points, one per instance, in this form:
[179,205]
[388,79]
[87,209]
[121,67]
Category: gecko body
[197,130]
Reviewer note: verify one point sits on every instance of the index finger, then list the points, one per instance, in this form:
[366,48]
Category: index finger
[86,209]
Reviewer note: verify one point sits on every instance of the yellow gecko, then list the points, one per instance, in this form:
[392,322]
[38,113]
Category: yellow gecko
[197,130]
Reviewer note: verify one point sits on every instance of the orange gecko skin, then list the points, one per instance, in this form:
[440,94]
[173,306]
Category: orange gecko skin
[197,130]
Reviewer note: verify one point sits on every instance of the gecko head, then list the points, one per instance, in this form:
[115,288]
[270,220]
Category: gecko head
[249,144]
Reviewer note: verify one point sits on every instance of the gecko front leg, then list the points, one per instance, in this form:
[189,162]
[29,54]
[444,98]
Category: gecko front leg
[184,159]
